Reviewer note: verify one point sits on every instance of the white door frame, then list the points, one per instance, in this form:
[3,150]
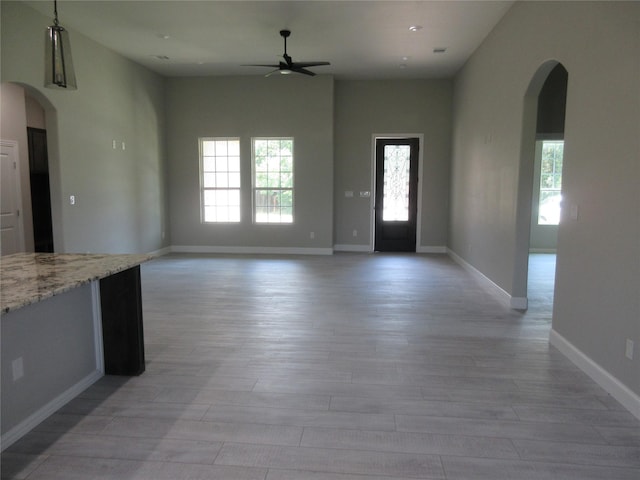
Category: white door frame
[379,136]
[13,145]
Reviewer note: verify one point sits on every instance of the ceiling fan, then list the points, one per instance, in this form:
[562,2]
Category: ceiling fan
[288,65]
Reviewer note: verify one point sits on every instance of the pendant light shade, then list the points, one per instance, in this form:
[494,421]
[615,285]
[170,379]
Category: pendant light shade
[58,64]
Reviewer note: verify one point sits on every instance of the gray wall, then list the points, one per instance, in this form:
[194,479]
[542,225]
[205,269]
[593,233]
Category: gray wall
[597,300]
[365,108]
[53,361]
[121,195]
[248,107]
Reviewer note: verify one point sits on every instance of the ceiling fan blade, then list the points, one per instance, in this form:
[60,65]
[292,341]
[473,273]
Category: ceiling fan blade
[272,72]
[309,64]
[304,71]
[262,65]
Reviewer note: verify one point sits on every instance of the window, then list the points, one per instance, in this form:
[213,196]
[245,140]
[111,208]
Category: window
[395,190]
[550,182]
[273,180]
[220,179]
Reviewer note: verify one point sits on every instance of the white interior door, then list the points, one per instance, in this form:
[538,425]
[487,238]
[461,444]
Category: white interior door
[10,201]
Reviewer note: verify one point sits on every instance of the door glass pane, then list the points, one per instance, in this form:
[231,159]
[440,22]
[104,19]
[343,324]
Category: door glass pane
[395,191]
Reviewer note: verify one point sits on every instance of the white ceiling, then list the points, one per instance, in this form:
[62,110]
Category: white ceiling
[361,39]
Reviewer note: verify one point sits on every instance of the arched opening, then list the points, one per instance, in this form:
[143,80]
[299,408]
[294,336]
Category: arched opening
[30,122]
[540,183]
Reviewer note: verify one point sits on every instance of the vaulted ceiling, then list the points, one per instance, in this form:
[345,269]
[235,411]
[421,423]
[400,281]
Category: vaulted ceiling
[361,39]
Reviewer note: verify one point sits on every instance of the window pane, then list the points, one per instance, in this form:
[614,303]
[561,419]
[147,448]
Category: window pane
[209,197]
[222,214]
[209,164]
[234,197]
[208,148]
[546,181]
[286,164]
[274,180]
[286,198]
[234,164]
[209,180]
[234,148]
[260,147]
[549,211]
[234,180]
[274,163]
[209,214]
[557,182]
[221,148]
[221,164]
[222,180]
[286,147]
[286,180]
[395,190]
[221,197]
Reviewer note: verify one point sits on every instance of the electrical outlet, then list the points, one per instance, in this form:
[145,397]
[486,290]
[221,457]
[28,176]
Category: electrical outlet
[72,199]
[17,368]
[629,350]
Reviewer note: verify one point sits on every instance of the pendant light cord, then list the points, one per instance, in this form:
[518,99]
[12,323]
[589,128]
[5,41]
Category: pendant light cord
[55,12]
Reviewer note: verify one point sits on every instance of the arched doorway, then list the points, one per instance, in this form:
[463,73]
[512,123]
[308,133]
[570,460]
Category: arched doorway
[30,121]
[540,177]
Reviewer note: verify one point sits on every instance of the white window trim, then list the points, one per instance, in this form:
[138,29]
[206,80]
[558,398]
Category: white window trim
[201,180]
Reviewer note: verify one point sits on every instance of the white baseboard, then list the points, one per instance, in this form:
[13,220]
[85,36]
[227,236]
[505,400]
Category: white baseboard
[24,427]
[367,248]
[345,247]
[431,249]
[251,250]
[613,386]
[499,292]
[519,303]
[160,252]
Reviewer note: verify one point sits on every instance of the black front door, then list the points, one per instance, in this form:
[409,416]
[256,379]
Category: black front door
[396,203]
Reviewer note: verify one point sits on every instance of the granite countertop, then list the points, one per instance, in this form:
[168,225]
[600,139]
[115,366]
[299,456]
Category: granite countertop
[27,278]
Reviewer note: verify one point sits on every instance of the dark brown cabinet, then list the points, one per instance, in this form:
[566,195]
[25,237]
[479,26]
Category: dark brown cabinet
[122,333]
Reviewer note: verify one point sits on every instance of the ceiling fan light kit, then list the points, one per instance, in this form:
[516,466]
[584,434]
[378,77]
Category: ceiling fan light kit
[288,66]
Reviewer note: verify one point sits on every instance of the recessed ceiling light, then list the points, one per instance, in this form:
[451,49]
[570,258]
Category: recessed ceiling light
[164,36]
[439,49]
[160,57]
[415,28]
[404,59]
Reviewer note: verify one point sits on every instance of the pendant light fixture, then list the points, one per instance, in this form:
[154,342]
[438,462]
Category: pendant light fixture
[58,65]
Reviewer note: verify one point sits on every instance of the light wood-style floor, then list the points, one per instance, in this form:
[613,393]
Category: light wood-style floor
[343,367]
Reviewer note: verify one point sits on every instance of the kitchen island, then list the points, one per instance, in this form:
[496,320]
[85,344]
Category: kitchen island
[67,319]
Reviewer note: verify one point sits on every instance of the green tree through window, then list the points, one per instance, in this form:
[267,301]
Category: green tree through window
[273,180]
